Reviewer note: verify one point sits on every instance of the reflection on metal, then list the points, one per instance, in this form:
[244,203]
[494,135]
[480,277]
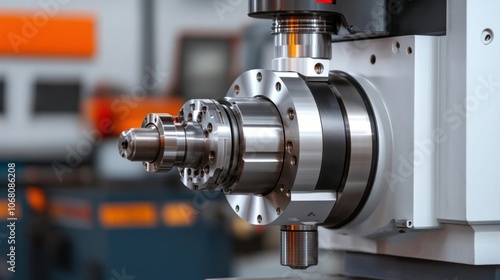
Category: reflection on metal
[299,246]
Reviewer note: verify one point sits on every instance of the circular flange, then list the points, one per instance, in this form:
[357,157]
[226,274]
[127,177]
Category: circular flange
[206,169]
[302,161]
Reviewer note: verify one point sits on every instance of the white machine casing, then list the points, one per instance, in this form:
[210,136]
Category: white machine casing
[436,195]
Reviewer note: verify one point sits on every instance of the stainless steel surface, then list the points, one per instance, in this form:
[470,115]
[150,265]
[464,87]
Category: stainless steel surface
[173,139]
[159,144]
[350,197]
[299,246]
[291,201]
[209,161]
[306,66]
[236,145]
[302,39]
[302,43]
[306,23]
[139,144]
[303,36]
[404,223]
[261,145]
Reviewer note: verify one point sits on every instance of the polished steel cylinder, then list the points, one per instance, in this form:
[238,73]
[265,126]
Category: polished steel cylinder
[236,145]
[173,139]
[160,143]
[291,45]
[195,145]
[139,144]
[261,137]
[306,36]
[303,24]
[299,246]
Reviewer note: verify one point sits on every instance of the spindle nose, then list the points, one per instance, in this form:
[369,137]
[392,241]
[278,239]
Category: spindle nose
[139,144]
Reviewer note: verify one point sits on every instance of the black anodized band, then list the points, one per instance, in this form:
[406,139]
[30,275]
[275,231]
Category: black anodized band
[334,136]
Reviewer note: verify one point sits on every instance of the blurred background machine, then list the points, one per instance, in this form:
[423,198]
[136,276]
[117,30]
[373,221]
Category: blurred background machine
[377,121]
[73,75]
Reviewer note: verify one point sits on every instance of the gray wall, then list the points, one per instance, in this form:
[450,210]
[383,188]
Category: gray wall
[118,60]
[173,18]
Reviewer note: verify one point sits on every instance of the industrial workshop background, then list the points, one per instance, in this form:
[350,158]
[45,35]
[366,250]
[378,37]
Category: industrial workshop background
[249,139]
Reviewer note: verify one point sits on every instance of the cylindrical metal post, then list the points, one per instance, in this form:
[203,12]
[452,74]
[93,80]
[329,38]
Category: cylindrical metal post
[299,246]
[303,37]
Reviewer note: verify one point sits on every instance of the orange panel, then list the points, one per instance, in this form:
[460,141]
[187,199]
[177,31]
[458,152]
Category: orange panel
[36,198]
[128,215]
[178,215]
[4,210]
[46,33]
[111,115]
